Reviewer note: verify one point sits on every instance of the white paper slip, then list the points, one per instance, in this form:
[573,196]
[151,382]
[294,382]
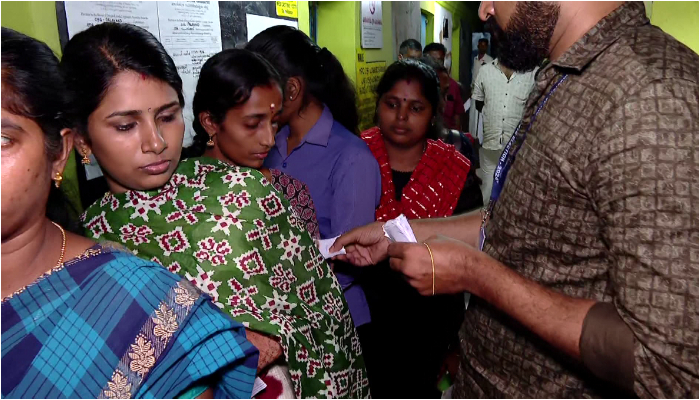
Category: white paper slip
[324,245]
[258,386]
[399,230]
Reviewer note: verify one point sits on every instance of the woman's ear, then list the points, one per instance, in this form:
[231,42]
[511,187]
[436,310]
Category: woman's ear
[292,89]
[208,123]
[59,163]
[81,144]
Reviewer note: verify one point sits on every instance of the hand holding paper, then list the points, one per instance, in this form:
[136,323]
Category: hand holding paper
[399,230]
[324,245]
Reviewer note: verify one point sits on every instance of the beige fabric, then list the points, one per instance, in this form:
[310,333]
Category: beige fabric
[504,101]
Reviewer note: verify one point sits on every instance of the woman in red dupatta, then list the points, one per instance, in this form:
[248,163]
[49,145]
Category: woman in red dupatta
[421,178]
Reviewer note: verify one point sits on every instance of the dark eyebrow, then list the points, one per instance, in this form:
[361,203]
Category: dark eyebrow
[260,116]
[166,106]
[130,113]
[6,124]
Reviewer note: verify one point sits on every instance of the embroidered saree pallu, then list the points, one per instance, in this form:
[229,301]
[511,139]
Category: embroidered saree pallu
[231,234]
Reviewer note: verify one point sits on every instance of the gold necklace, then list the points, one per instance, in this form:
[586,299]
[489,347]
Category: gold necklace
[58,267]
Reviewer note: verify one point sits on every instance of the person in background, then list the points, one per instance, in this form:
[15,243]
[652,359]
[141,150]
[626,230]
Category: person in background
[318,145]
[460,141]
[237,106]
[586,284]
[479,61]
[410,48]
[223,227]
[500,93]
[453,112]
[80,319]
[421,178]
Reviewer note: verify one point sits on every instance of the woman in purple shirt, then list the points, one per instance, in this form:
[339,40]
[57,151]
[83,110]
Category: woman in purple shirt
[319,146]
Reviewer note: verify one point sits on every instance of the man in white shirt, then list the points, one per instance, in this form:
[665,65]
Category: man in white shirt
[500,94]
[479,61]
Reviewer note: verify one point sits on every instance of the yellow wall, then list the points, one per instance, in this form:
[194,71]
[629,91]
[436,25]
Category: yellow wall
[337,31]
[33,18]
[679,19]
[303,16]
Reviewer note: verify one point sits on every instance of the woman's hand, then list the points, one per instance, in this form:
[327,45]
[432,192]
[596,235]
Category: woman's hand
[268,347]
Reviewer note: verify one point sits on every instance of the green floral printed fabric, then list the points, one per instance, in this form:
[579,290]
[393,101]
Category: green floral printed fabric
[233,235]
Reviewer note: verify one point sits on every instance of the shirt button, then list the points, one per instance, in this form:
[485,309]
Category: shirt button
[284,165]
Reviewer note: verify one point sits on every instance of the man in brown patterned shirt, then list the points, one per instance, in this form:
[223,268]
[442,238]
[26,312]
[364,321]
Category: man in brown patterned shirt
[587,284]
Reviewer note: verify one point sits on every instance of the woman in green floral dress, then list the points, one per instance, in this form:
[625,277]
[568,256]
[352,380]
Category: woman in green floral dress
[225,228]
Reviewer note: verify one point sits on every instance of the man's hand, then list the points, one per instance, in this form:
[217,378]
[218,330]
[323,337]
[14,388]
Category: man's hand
[364,246]
[455,263]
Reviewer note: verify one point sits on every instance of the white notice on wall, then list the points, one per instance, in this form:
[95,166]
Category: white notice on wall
[81,15]
[372,37]
[257,23]
[191,33]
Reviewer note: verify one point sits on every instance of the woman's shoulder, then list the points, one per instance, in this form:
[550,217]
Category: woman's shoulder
[126,264]
[447,152]
[350,141]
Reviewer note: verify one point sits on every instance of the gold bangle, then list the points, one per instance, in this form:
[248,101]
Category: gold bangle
[432,262]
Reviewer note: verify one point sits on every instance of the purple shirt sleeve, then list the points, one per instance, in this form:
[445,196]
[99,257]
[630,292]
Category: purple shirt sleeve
[356,188]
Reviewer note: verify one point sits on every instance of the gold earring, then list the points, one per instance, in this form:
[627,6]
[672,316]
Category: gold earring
[210,143]
[57,180]
[86,159]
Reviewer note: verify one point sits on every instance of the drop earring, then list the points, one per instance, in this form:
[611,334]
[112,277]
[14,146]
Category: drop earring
[85,160]
[210,143]
[57,180]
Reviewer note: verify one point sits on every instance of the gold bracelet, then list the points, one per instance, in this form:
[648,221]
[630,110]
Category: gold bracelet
[432,262]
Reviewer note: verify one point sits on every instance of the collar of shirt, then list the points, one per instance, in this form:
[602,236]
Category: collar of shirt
[319,134]
[601,36]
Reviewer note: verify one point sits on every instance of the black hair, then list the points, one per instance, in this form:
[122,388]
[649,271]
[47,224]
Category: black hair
[484,40]
[409,44]
[429,83]
[430,61]
[93,57]
[226,80]
[32,87]
[435,47]
[292,54]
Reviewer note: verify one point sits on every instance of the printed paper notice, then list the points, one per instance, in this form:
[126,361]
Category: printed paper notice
[191,33]
[81,15]
[368,75]
[372,37]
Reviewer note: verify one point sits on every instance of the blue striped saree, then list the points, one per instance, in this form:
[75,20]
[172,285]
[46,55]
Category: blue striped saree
[110,325]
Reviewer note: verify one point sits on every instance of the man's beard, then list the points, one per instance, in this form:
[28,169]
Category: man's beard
[525,42]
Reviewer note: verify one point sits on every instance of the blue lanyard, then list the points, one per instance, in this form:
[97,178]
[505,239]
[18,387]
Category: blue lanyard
[508,157]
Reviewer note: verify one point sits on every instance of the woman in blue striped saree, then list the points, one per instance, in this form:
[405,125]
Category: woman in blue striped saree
[79,319]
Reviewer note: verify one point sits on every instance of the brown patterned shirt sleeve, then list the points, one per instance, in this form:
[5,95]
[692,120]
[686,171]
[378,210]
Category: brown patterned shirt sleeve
[644,184]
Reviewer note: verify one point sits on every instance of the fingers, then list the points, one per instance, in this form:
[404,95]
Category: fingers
[342,241]
[354,236]
[395,264]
